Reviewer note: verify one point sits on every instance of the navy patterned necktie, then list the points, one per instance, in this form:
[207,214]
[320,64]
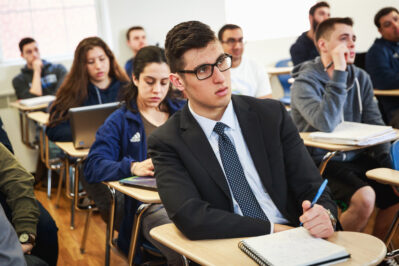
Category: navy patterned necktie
[235,176]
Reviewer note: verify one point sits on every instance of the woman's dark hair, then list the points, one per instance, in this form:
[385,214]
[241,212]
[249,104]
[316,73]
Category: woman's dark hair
[73,90]
[145,56]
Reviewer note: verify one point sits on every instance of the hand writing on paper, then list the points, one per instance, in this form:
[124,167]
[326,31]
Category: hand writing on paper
[316,220]
[144,168]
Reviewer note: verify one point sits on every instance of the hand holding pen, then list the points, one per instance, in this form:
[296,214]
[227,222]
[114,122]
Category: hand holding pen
[315,218]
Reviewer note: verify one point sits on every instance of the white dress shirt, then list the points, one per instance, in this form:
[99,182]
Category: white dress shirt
[233,131]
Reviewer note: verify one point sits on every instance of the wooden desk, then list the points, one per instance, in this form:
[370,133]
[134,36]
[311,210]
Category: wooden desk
[386,92]
[364,249]
[79,155]
[40,117]
[24,122]
[279,70]
[147,197]
[335,148]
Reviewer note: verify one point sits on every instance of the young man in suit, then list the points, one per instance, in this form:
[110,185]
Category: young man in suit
[231,166]
[327,91]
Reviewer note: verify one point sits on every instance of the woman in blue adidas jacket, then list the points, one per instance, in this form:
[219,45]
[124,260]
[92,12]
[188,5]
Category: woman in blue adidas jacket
[120,149]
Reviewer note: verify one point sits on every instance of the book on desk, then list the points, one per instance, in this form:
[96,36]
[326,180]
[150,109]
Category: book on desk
[292,247]
[37,100]
[146,182]
[352,133]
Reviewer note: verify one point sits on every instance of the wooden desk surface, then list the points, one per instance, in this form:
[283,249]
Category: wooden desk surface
[279,70]
[40,117]
[364,249]
[69,149]
[384,175]
[143,195]
[386,92]
[28,108]
[337,147]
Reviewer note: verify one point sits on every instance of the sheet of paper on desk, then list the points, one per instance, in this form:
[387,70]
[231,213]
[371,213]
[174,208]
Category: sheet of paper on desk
[292,247]
[353,133]
[37,100]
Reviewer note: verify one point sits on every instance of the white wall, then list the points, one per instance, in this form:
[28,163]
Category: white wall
[158,17]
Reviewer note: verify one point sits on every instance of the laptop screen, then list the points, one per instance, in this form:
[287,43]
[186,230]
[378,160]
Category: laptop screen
[86,120]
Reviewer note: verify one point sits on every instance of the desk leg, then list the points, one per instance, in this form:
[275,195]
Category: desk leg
[73,179]
[392,229]
[325,160]
[110,227]
[135,231]
[49,183]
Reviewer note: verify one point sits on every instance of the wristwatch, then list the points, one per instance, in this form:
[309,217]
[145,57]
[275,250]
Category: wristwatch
[332,219]
[26,238]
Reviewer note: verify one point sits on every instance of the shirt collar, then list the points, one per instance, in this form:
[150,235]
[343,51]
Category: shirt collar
[208,125]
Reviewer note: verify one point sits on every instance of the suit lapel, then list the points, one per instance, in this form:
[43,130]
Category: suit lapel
[251,130]
[195,139]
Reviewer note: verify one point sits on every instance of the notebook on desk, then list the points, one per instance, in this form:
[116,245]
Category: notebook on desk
[292,247]
[37,100]
[146,182]
[86,120]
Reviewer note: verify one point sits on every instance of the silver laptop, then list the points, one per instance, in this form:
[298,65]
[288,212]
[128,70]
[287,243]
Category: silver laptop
[86,120]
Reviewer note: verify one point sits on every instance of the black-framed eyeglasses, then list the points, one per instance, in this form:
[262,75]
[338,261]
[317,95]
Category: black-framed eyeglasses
[202,72]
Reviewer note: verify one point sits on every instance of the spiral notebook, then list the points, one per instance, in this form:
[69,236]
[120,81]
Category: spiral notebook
[293,247]
[147,182]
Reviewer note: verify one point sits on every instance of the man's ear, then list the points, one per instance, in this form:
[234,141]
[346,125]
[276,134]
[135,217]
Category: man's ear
[311,21]
[177,81]
[322,45]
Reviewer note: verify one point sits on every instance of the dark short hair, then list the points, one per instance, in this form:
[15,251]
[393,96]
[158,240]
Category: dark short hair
[183,37]
[227,27]
[24,42]
[312,10]
[327,26]
[132,29]
[381,13]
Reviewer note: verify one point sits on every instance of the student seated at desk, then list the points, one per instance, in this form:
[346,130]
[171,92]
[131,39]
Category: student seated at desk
[95,78]
[230,165]
[120,149]
[327,91]
[35,227]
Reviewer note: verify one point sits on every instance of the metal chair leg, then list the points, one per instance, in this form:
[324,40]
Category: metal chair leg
[49,183]
[86,229]
[325,160]
[59,188]
[392,229]
[110,228]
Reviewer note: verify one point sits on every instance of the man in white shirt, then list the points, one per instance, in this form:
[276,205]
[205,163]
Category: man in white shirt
[247,77]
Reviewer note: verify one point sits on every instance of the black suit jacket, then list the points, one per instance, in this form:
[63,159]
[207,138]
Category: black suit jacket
[192,185]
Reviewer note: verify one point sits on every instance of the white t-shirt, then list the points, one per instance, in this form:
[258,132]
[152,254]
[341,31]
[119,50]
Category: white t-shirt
[250,78]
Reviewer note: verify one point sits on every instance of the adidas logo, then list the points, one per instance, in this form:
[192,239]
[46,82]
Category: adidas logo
[136,137]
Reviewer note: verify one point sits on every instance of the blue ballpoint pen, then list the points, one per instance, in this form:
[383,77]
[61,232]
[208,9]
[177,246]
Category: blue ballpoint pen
[319,192]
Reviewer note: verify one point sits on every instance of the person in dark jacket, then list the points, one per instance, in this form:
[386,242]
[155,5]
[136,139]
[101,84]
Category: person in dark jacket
[38,77]
[304,48]
[120,149]
[382,62]
[136,39]
[95,78]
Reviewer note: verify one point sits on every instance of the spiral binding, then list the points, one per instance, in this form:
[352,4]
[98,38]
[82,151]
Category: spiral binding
[253,254]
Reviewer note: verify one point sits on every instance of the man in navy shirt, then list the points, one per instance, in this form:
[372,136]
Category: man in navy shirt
[382,62]
[136,39]
[304,49]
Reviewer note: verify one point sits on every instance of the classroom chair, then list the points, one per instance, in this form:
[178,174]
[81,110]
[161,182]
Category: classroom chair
[284,81]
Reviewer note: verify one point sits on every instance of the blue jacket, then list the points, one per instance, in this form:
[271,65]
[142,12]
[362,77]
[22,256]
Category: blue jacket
[120,141]
[62,131]
[129,67]
[303,49]
[382,63]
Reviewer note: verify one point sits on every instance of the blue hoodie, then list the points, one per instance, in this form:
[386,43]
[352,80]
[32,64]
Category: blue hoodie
[120,141]
[319,103]
[62,131]
[382,63]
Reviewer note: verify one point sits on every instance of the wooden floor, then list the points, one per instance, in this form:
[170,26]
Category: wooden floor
[69,240]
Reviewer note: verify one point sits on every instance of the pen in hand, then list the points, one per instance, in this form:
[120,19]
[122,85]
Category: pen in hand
[319,192]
